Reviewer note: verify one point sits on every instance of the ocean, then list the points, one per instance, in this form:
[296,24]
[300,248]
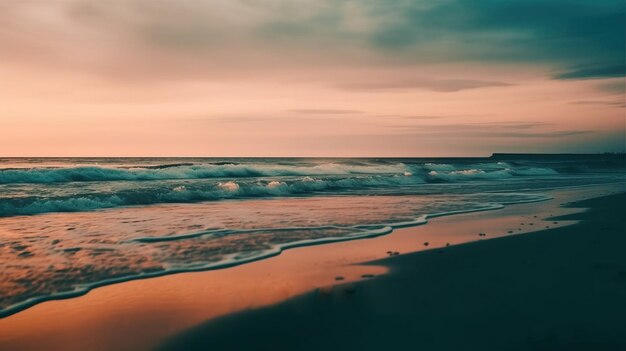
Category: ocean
[70,224]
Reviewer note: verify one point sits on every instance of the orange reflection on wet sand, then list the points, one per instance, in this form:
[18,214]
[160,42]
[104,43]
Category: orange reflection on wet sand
[137,315]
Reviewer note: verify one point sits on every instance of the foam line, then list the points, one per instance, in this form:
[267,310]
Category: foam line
[239,258]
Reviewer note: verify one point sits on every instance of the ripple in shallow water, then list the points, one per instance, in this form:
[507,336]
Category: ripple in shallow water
[64,252]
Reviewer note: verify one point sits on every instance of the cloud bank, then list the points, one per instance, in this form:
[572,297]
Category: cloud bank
[574,39]
[315,77]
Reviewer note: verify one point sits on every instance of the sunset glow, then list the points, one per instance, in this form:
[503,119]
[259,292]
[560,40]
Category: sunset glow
[310,78]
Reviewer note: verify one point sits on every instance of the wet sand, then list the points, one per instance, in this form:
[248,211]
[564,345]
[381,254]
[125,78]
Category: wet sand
[557,289]
[144,314]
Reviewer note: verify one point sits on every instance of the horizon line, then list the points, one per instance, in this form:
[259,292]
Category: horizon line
[337,157]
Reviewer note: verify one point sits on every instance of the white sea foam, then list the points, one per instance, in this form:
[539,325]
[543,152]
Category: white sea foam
[230,186]
[245,253]
[275,184]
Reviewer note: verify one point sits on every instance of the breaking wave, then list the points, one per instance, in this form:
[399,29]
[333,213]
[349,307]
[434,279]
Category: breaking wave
[233,170]
[75,189]
[185,171]
[195,193]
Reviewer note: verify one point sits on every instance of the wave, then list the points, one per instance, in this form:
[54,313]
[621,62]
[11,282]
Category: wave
[468,174]
[532,171]
[180,171]
[241,189]
[245,182]
[167,165]
[186,171]
[481,174]
[74,204]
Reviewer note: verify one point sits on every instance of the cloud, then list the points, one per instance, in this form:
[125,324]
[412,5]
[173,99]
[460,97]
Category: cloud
[618,104]
[586,35]
[210,39]
[228,119]
[446,85]
[553,134]
[423,118]
[247,62]
[479,126]
[512,129]
[593,72]
[617,86]
[314,111]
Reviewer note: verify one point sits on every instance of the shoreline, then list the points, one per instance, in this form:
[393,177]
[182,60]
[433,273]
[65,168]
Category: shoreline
[293,273]
[385,229]
[559,288]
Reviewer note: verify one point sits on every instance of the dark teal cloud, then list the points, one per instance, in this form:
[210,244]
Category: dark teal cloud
[579,38]
[576,39]
[571,39]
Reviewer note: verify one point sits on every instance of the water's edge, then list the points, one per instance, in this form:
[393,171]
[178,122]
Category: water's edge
[236,259]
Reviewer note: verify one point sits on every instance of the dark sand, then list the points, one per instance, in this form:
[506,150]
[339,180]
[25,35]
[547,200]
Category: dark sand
[556,289]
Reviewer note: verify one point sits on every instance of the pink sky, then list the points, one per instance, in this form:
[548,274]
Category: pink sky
[233,78]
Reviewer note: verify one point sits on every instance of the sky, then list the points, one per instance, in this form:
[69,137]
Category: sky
[311,77]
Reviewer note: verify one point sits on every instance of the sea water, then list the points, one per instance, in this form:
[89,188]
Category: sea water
[70,224]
